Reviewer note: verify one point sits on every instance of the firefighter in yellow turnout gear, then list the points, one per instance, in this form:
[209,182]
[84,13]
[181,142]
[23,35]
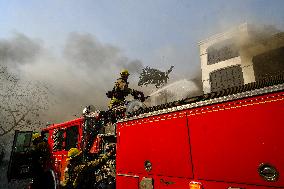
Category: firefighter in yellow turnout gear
[77,172]
[121,90]
[74,159]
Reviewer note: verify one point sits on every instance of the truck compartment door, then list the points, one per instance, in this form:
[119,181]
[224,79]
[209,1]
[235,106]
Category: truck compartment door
[20,159]
[239,141]
[157,145]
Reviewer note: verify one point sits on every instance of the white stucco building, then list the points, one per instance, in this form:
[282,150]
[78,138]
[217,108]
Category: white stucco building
[241,55]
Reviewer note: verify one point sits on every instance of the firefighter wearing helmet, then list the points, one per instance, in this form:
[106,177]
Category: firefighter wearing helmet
[78,173]
[40,145]
[74,159]
[88,172]
[121,90]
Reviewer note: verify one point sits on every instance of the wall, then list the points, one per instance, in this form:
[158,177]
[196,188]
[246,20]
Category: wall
[250,43]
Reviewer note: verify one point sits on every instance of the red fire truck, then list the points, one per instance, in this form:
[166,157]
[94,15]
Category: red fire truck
[232,142]
[229,139]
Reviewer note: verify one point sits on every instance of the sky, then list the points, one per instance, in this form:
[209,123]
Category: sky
[157,32]
[78,47]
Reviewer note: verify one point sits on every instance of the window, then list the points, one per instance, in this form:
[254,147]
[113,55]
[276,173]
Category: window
[23,141]
[226,78]
[222,51]
[71,137]
[45,135]
[269,64]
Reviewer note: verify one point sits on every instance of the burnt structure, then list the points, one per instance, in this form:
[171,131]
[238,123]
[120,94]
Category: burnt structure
[240,56]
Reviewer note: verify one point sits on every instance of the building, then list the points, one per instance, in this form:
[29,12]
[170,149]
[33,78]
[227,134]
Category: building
[241,55]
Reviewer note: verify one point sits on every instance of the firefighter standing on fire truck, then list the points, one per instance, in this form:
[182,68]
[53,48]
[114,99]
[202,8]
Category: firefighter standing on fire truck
[121,90]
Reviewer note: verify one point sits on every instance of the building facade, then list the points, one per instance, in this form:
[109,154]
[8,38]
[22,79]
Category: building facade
[241,55]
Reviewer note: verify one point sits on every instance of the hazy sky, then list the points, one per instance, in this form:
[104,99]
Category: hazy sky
[157,32]
[78,47]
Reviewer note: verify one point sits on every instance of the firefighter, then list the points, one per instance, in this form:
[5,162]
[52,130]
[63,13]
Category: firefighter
[40,154]
[74,160]
[41,146]
[88,172]
[121,90]
[91,128]
[78,175]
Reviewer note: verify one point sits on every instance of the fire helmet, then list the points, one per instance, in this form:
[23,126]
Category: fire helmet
[124,73]
[72,153]
[35,136]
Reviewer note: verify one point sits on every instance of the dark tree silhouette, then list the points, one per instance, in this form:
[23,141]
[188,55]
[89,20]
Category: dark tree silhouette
[22,102]
[154,76]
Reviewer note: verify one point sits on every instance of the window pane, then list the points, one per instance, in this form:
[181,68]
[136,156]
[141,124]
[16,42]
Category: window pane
[71,137]
[23,141]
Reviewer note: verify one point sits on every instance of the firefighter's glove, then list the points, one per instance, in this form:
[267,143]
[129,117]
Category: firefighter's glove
[138,95]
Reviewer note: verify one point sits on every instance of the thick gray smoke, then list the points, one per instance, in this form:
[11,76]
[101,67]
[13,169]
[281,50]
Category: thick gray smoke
[81,75]
[18,50]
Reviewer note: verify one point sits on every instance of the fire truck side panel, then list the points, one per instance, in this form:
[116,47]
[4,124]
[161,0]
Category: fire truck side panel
[229,144]
[161,140]
[230,141]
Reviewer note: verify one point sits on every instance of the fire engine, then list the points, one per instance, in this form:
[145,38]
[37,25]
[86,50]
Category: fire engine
[230,139]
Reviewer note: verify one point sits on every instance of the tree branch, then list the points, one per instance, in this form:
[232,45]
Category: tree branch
[16,123]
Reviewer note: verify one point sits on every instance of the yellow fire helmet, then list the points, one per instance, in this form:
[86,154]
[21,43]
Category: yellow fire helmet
[72,153]
[124,73]
[35,136]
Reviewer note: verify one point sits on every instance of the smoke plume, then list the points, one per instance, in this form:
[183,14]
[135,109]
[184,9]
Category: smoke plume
[80,75]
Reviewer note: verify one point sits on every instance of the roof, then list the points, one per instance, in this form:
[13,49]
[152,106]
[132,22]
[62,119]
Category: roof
[59,125]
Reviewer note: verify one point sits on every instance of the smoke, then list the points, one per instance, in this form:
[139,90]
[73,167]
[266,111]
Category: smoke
[85,50]
[80,75]
[77,76]
[86,69]
[18,50]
